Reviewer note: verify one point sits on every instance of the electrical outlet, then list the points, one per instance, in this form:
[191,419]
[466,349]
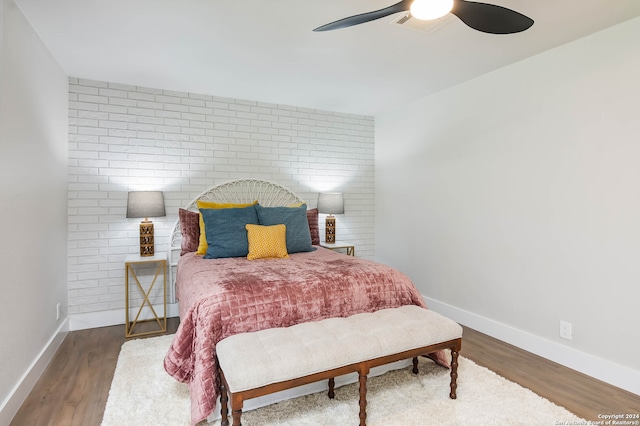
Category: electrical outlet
[57,312]
[565,330]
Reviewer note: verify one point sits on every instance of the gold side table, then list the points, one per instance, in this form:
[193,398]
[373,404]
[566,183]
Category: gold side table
[338,245]
[131,262]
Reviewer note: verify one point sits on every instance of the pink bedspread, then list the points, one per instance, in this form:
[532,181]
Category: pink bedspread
[222,297]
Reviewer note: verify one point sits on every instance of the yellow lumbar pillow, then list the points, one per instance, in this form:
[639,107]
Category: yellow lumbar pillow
[202,243]
[267,241]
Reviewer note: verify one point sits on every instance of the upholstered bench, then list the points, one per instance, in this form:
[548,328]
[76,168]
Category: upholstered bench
[271,360]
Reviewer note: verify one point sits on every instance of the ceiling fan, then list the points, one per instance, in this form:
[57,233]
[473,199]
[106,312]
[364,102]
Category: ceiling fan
[488,18]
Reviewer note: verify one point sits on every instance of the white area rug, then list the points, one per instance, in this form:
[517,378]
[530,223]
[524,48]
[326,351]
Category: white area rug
[142,393]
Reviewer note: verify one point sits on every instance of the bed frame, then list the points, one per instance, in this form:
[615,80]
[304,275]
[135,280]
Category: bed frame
[267,193]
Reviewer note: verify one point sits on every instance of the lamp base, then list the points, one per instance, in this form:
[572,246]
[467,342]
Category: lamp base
[330,229]
[147,247]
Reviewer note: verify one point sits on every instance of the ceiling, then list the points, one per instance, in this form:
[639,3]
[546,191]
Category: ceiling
[266,51]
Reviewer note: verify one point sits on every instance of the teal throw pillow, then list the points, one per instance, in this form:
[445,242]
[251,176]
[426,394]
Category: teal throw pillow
[226,232]
[295,218]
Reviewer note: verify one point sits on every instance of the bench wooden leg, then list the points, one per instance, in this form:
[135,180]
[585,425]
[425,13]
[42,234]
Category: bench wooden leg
[224,398]
[362,379]
[415,365]
[236,417]
[236,408]
[454,372]
[332,384]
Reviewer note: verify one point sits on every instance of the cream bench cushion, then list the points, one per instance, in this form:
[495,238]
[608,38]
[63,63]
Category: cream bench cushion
[256,359]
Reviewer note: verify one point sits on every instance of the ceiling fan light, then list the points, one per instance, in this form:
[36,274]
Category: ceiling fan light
[430,9]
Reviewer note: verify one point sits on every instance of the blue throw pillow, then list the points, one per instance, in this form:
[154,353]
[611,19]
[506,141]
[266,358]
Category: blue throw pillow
[226,232]
[295,218]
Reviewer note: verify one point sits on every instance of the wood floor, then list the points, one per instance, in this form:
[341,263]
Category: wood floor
[74,388]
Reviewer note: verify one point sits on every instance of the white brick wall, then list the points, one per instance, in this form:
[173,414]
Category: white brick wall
[124,138]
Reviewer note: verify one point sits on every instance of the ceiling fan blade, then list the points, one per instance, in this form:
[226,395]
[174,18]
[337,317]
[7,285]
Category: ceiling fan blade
[490,18]
[366,17]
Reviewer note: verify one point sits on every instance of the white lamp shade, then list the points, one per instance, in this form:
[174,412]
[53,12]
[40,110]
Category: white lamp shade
[145,204]
[331,203]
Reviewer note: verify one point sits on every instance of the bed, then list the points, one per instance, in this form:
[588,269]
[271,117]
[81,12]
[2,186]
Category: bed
[222,296]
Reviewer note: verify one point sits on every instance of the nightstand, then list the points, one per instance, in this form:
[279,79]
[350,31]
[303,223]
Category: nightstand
[135,262]
[338,245]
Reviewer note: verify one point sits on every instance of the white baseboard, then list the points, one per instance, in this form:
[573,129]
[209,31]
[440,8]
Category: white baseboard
[114,317]
[599,368]
[21,390]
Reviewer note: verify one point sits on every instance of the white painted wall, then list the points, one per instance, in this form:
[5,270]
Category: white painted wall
[514,200]
[135,138]
[33,200]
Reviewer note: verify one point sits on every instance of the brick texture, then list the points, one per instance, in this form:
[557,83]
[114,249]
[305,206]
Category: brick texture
[124,138]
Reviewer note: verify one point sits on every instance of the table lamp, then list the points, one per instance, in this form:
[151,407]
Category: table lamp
[330,203]
[146,204]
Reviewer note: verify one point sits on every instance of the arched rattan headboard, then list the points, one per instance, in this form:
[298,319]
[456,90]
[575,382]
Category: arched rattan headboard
[267,193]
